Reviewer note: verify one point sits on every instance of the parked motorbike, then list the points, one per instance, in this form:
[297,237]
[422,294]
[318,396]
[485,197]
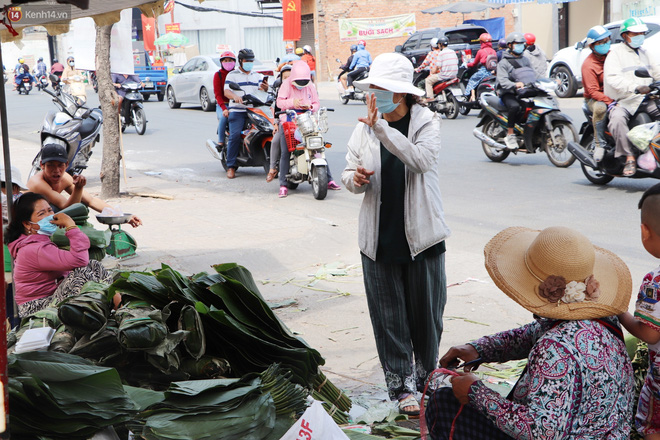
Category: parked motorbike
[42,82]
[25,86]
[73,126]
[485,85]
[132,110]
[357,95]
[609,167]
[446,94]
[93,80]
[256,136]
[307,158]
[543,127]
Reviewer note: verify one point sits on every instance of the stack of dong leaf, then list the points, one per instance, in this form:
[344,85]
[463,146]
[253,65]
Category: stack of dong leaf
[98,240]
[175,339]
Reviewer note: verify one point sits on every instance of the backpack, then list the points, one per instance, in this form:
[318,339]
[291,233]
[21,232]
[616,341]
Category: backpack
[523,74]
[491,62]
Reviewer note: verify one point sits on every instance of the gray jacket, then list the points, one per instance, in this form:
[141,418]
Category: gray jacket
[538,60]
[424,219]
[505,69]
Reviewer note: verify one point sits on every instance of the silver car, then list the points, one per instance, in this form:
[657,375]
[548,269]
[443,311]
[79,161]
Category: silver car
[193,83]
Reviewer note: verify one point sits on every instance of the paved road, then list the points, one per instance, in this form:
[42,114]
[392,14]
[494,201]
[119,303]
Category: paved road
[283,241]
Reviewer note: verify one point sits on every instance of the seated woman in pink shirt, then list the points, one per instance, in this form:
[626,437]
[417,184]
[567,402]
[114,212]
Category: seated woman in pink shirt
[43,273]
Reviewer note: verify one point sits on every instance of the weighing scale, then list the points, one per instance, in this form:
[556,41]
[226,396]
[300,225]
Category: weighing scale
[122,244]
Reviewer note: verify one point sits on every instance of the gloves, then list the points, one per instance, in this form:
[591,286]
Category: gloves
[611,105]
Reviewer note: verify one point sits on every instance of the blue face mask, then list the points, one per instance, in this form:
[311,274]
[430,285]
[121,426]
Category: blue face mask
[636,41]
[298,87]
[602,49]
[518,48]
[247,66]
[385,101]
[45,226]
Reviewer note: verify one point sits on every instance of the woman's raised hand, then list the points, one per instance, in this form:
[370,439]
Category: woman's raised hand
[62,220]
[361,176]
[465,352]
[372,111]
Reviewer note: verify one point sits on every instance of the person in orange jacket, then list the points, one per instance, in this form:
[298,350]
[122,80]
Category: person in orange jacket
[310,60]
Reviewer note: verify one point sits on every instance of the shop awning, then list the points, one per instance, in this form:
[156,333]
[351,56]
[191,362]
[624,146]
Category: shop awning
[463,7]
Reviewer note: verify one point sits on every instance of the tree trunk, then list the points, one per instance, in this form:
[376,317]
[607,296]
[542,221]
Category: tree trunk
[109,105]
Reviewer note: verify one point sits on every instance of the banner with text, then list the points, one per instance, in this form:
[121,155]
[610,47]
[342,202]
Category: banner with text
[354,29]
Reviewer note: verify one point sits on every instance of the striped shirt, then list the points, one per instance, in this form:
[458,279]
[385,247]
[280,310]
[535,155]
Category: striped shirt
[447,62]
[248,82]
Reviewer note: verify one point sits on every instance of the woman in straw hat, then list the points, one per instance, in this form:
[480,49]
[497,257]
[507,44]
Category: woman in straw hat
[393,157]
[578,381]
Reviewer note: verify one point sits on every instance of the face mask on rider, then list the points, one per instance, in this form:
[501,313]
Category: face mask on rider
[228,65]
[45,226]
[636,41]
[518,48]
[247,66]
[72,63]
[385,101]
[602,49]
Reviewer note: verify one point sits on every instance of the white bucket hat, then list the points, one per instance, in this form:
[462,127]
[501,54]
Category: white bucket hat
[15,177]
[393,72]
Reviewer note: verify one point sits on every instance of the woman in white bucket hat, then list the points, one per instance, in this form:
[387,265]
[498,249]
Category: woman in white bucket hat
[393,157]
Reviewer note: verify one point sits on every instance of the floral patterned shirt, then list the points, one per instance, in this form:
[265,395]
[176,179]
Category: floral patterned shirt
[578,382]
[647,310]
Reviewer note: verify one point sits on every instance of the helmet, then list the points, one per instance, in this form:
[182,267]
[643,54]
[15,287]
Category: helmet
[502,43]
[353,47]
[307,48]
[229,54]
[245,55]
[20,60]
[530,38]
[443,41]
[299,51]
[285,68]
[515,37]
[69,59]
[362,42]
[634,25]
[289,47]
[485,38]
[40,59]
[55,60]
[434,42]
[597,33]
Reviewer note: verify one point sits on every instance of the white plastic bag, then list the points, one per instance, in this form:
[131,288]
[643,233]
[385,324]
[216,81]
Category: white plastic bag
[647,161]
[315,424]
[642,135]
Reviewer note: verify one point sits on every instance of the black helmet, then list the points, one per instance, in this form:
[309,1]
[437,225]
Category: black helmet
[515,37]
[443,41]
[54,60]
[245,55]
[40,59]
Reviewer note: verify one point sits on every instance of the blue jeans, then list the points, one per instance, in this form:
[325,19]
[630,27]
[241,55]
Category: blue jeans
[476,79]
[222,124]
[236,124]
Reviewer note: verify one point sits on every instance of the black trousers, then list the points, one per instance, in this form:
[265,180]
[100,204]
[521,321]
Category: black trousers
[350,77]
[513,105]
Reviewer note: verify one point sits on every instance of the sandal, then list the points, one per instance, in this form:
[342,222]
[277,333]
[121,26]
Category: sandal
[630,168]
[284,191]
[409,406]
[271,175]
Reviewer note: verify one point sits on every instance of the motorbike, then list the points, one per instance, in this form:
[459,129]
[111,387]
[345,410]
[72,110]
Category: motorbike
[543,127]
[307,158]
[446,94]
[357,95]
[256,136]
[25,86]
[609,167]
[132,110]
[42,82]
[73,126]
[93,80]
[485,85]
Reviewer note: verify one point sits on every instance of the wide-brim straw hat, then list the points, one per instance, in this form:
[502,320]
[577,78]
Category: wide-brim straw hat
[519,259]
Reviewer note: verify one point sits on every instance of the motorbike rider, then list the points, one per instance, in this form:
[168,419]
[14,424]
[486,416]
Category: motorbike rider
[53,179]
[40,69]
[120,78]
[361,62]
[626,89]
[501,48]
[346,67]
[288,58]
[57,68]
[514,71]
[249,82]
[598,40]
[24,72]
[73,77]
[536,56]
[485,64]
[310,60]
[20,63]
[227,64]
[443,65]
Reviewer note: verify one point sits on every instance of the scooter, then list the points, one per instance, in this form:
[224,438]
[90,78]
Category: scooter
[486,85]
[542,128]
[609,167]
[25,86]
[42,82]
[357,95]
[256,136]
[446,94]
[307,158]
[73,126]
[132,110]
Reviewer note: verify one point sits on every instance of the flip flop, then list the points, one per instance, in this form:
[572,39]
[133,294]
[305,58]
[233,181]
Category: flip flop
[271,175]
[630,168]
[409,402]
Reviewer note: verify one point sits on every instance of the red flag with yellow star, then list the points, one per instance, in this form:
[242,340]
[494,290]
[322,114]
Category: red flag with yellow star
[148,33]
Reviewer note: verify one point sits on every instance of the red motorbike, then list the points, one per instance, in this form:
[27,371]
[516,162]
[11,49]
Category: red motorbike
[447,94]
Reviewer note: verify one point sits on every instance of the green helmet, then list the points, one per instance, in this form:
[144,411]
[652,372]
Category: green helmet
[634,24]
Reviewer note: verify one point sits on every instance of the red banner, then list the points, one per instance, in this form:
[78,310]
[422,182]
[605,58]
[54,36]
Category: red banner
[173,27]
[148,32]
[291,19]
[169,6]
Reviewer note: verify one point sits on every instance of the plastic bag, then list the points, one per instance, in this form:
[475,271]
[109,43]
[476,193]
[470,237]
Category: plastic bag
[647,161]
[642,135]
[315,424]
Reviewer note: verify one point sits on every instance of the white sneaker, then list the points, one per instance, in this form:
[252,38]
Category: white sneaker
[511,142]
[599,152]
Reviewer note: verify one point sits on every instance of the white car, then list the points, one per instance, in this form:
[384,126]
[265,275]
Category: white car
[193,83]
[566,65]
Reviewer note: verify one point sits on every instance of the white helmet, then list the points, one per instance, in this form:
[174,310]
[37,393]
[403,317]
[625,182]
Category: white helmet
[434,42]
[307,48]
